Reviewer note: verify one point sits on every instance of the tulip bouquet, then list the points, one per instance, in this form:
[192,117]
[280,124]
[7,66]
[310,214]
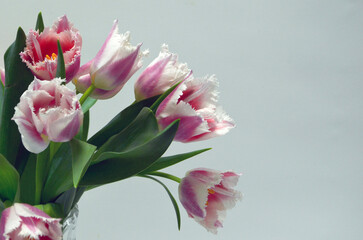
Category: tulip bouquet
[47,159]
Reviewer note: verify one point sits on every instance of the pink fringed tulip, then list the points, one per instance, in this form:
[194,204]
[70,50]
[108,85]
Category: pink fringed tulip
[41,51]
[206,195]
[47,111]
[194,102]
[2,75]
[25,222]
[114,64]
[162,73]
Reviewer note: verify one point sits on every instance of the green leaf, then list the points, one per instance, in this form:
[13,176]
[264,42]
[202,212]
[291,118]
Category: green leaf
[164,162]
[120,165]
[21,159]
[61,67]
[40,24]
[18,77]
[120,121]
[52,209]
[1,94]
[156,104]
[83,131]
[88,104]
[66,200]
[27,181]
[81,156]
[142,129]
[9,180]
[60,176]
[2,207]
[42,167]
[175,204]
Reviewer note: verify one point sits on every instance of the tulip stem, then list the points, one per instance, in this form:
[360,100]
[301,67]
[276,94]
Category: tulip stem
[87,93]
[165,175]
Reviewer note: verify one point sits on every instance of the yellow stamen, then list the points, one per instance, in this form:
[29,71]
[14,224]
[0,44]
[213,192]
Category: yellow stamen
[54,56]
[211,191]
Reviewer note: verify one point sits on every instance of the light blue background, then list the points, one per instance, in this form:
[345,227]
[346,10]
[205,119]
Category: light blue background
[290,75]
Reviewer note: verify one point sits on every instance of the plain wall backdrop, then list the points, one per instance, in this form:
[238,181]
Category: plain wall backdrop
[290,74]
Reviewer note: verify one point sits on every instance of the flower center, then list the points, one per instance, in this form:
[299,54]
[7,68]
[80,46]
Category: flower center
[210,191]
[53,57]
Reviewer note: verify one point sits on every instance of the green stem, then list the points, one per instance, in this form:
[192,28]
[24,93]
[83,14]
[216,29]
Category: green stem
[87,93]
[165,175]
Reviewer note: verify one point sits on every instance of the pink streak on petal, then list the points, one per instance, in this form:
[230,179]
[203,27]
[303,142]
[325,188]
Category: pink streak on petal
[100,53]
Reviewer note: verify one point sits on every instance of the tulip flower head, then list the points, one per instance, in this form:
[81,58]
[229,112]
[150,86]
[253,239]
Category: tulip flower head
[194,102]
[114,64]
[47,111]
[2,75]
[41,51]
[206,195]
[162,73]
[25,222]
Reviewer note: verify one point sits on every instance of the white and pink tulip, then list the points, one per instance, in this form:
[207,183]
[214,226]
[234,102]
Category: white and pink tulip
[161,74]
[41,51]
[206,194]
[47,111]
[2,75]
[194,102]
[23,222]
[114,64]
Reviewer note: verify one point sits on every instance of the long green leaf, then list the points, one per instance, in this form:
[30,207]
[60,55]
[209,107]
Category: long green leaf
[118,166]
[81,156]
[164,162]
[142,129]
[61,68]
[27,181]
[40,24]
[83,131]
[21,159]
[120,121]
[42,167]
[60,176]
[2,207]
[18,77]
[9,180]
[175,204]
[1,94]
[66,200]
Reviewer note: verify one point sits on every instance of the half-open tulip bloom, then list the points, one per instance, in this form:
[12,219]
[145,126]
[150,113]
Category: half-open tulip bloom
[206,195]
[2,75]
[162,73]
[47,111]
[24,222]
[41,51]
[114,64]
[194,102]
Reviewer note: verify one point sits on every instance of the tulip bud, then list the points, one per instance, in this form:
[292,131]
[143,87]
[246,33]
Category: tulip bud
[2,75]
[162,73]
[114,64]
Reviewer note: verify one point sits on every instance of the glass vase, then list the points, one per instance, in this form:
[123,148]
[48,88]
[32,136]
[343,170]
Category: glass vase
[70,224]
